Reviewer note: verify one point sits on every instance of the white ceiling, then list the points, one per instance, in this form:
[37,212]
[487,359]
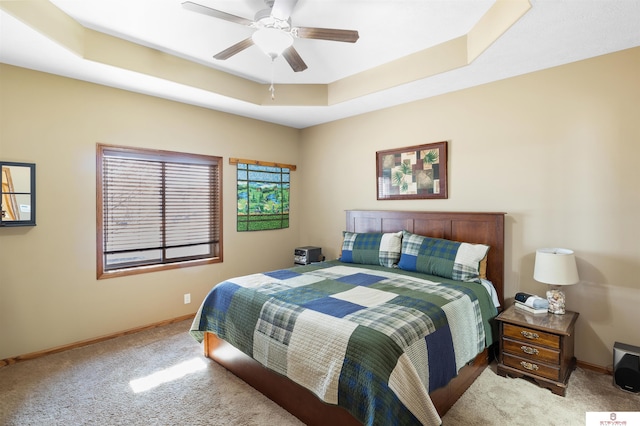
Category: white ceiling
[551,33]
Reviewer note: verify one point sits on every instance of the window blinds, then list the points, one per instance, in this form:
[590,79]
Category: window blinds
[157,211]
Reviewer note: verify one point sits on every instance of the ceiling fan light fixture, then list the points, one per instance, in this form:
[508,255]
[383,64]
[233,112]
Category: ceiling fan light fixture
[272,41]
[274,34]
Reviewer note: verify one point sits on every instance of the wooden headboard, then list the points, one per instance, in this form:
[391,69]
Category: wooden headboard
[478,228]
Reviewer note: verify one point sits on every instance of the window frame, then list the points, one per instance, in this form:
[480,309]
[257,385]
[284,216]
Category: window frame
[103,150]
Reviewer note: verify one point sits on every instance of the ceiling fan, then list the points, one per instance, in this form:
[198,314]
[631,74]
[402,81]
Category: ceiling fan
[275,34]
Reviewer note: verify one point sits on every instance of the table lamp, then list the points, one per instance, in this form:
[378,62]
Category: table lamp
[557,267]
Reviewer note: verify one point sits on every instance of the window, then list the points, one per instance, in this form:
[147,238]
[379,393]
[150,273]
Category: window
[156,210]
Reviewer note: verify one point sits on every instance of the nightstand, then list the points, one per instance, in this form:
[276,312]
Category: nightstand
[538,346]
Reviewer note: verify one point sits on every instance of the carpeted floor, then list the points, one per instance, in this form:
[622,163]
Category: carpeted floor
[496,400]
[97,384]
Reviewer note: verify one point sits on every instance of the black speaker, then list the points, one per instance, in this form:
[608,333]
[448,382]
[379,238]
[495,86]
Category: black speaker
[626,367]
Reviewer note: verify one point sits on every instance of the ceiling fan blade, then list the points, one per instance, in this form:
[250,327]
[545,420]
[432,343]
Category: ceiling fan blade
[194,7]
[282,9]
[347,36]
[232,50]
[293,58]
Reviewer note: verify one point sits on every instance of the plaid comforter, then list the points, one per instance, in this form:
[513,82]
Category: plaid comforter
[371,339]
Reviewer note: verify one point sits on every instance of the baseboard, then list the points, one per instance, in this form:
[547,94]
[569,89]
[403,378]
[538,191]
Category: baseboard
[26,357]
[593,367]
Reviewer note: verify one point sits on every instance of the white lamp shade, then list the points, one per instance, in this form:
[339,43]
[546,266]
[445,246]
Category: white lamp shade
[555,266]
[272,41]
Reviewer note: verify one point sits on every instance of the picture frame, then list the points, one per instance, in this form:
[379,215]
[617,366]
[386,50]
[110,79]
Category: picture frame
[413,172]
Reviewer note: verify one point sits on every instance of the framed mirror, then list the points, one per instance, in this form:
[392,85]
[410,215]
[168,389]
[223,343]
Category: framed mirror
[18,194]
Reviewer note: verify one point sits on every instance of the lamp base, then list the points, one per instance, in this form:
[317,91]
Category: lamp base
[556,301]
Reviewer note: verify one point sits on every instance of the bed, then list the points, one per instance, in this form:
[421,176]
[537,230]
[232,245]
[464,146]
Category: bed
[282,331]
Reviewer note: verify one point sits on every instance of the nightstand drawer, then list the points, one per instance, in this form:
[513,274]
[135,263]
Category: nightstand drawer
[536,337]
[531,367]
[531,352]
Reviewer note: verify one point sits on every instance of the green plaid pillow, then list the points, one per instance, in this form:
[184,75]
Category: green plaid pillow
[444,258]
[371,248]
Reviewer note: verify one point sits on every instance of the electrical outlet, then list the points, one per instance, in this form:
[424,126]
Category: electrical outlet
[187,298]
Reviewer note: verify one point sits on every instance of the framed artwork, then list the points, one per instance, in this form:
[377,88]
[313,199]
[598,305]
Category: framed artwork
[413,172]
[263,196]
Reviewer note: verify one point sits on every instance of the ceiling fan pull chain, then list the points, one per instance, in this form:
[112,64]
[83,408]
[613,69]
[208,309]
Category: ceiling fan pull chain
[271,88]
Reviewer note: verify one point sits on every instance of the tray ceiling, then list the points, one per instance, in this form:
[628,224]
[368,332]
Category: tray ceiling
[407,50]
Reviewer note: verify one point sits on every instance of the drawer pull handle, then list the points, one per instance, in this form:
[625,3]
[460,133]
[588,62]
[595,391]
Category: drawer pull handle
[529,335]
[529,350]
[528,366]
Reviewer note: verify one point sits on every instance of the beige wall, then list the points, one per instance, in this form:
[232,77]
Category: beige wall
[49,295]
[557,150]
